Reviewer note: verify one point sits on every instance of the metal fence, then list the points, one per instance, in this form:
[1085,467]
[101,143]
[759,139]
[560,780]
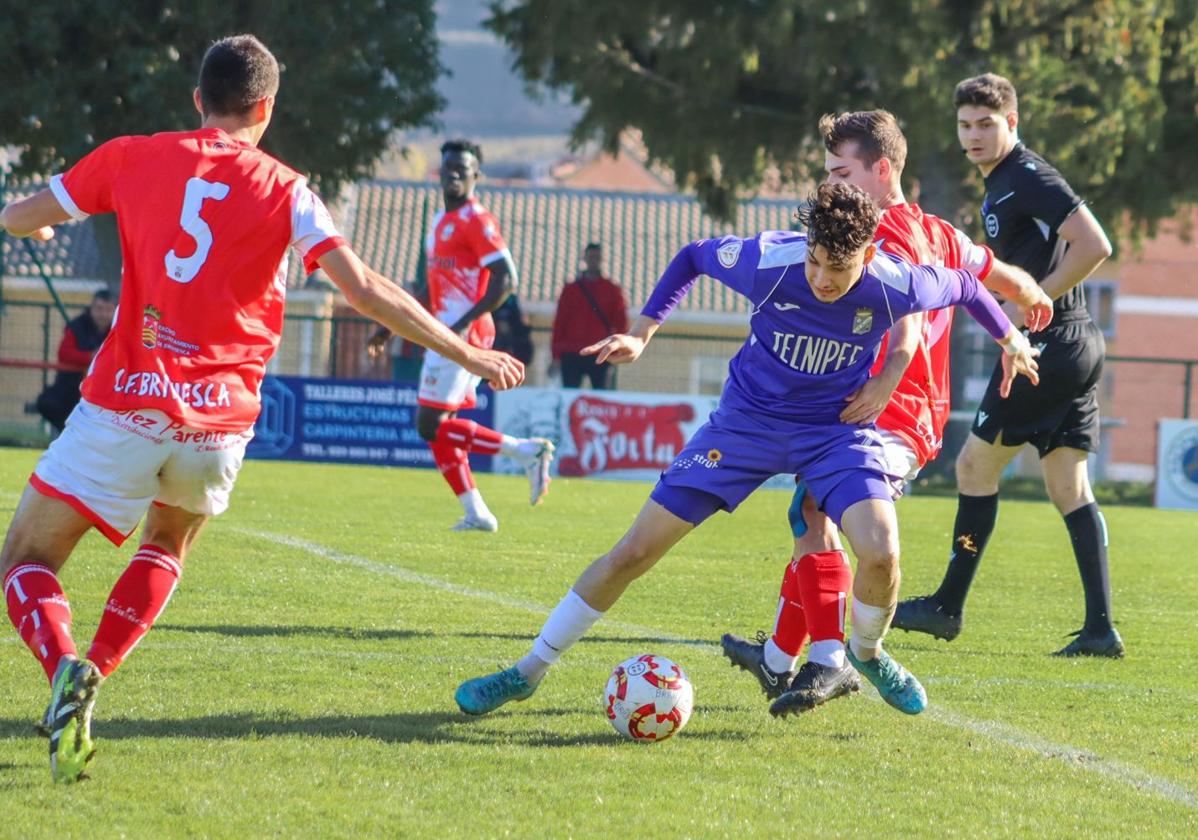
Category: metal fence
[1135,391]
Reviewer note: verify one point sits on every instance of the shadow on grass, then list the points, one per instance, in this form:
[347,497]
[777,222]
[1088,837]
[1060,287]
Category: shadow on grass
[287,630]
[399,728]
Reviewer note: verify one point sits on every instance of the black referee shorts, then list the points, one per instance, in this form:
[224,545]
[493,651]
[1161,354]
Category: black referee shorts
[1063,409]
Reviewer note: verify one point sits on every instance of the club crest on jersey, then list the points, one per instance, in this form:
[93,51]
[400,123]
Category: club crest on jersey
[150,320]
[863,321]
[447,232]
[729,254]
[991,225]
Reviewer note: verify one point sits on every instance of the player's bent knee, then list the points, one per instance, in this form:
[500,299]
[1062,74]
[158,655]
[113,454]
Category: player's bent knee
[878,561]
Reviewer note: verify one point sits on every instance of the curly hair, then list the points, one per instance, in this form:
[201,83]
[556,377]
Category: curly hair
[461,145]
[842,218]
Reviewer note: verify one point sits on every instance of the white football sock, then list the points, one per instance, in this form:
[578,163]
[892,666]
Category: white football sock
[570,619]
[473,504]
[778,660]
[829,653]
[870,624]
[521,449]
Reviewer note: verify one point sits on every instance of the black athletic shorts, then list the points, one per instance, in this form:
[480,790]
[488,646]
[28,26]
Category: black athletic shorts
[1063,409]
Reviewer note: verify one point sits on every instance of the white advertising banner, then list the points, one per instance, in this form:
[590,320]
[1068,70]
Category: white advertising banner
[622,435]
[1177,464]
[602,434]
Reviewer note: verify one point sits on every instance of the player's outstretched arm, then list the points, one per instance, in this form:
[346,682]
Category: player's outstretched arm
[932,287]
[1012,283]
[34,216]
[387,303]
[1018,287]
[623,348]
[866,404]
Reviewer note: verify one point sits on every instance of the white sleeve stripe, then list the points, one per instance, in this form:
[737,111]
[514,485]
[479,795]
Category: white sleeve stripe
[777,255]
[311,223]
[501,254]
[64,198]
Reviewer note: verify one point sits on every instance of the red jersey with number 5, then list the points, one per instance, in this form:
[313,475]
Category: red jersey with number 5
[205,225]
[918,411]
[460,246]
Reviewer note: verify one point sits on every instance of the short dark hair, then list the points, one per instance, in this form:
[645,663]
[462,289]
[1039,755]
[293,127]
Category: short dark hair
[102,294]
[237,72]
[593,246]
[988,90]
[461,145]
[876,133]
[840,217]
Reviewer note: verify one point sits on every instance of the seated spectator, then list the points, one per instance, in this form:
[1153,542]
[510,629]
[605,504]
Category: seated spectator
[80,341]
[590,308]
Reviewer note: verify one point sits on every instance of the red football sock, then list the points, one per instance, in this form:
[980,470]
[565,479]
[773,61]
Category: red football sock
[454,466]
[790,627]
[139,597]
[824,581]
[468,435]
[40,612]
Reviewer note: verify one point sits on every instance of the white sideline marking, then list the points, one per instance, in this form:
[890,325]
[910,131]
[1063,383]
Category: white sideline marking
[1116,771]
[421,579]
[1126,774]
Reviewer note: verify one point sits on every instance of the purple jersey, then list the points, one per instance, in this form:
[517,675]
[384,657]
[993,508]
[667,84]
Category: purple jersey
[804,357]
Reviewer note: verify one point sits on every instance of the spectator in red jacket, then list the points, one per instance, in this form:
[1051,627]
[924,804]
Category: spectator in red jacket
[590,309]
[80,341]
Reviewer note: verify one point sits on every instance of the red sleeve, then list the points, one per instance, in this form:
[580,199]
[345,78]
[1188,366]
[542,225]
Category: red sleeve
[485,239]
[69,352]
[899,247]
[86,188]
[561,322]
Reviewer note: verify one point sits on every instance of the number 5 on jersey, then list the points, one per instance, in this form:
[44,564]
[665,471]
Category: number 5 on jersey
[184,270]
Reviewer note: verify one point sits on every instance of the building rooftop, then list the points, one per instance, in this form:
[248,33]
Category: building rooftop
[546,229]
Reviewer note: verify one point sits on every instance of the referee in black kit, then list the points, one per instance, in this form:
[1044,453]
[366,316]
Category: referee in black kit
[1035,221]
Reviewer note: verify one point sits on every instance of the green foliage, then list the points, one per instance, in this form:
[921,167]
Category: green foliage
[723,89]
[77,74]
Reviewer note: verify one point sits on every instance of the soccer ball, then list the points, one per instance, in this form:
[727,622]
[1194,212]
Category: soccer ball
[648,698]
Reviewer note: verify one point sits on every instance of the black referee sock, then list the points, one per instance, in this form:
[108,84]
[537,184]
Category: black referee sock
[1087,532]
[976,516]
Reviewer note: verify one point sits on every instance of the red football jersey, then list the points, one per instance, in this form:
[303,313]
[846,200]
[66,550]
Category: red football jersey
[205,223]
[459,247]
[919,408]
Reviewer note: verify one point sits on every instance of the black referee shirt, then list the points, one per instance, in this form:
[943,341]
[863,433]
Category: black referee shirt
[1026,201]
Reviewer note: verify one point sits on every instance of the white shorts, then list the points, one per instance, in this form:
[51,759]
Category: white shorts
[445,384]
[901,460]
[110,466]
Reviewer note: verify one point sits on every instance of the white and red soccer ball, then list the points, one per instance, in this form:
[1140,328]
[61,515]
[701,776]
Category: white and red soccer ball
[648,698]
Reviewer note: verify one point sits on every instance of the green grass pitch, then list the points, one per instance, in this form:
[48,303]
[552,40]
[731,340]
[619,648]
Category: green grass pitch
[301,681]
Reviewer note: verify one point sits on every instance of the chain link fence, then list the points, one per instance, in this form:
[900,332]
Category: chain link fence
[330,341]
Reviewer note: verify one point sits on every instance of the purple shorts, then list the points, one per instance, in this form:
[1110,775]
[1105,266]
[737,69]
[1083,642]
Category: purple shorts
[736,451]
